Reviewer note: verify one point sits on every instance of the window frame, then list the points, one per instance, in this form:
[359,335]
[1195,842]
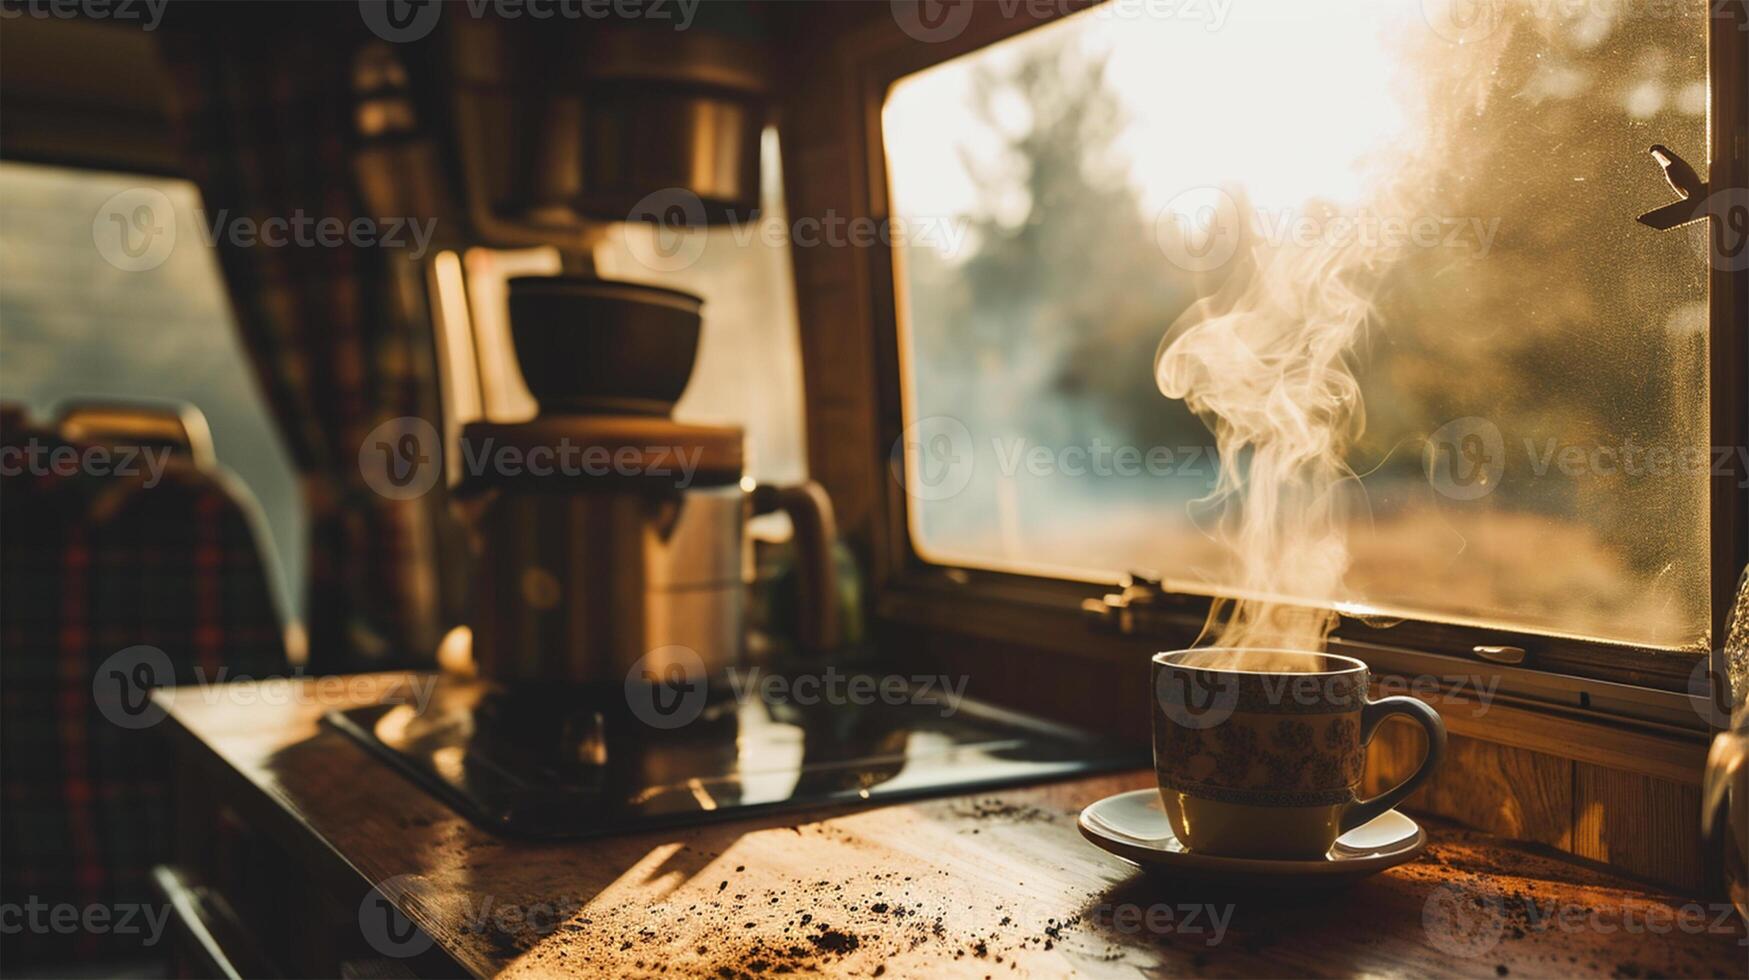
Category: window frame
[1603,680]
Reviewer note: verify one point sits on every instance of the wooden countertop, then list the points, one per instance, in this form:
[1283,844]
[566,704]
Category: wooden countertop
[992,885]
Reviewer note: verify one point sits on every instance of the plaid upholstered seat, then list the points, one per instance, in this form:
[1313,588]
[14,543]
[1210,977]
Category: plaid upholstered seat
[93,565]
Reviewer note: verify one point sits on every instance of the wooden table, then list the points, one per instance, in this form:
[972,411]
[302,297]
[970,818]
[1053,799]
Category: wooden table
[993,885]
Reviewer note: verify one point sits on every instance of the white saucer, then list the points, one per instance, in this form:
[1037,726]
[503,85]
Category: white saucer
[1134,827]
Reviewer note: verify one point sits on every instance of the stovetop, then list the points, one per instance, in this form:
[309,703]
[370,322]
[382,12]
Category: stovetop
[578,762]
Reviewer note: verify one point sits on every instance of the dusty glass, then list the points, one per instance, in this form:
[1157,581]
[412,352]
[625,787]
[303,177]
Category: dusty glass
[1459,181]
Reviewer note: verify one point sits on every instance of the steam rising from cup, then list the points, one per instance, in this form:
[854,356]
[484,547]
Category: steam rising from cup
[1267,360]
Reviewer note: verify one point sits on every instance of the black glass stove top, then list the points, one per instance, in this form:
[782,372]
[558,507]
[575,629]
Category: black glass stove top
[571,763]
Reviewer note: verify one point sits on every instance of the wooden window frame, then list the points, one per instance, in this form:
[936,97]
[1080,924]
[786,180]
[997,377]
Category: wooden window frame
[853,429]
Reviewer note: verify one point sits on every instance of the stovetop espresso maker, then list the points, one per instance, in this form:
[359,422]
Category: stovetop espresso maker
[610,541]
[607,537]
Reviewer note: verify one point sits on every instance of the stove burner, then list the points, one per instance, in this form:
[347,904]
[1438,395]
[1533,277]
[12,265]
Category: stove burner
[578,762]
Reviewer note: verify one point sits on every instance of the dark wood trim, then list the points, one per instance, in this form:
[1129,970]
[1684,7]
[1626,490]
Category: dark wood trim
[1045,613]
[983,600]
[1729,333]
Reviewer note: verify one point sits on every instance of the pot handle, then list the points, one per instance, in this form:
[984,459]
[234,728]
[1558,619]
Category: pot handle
[810,512]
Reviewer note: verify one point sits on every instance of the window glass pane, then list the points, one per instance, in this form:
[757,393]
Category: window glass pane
[75,325]
[1435,204]
[749,370]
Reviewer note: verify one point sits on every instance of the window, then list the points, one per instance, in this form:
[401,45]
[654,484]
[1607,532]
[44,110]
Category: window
[73,326]
[1437,211]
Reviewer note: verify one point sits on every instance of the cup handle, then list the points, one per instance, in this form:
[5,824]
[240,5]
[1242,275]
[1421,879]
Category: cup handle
[1361,811]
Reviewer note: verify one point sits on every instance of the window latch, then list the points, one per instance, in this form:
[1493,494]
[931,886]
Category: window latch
[1510,656]
[1685,182]
[1129,611]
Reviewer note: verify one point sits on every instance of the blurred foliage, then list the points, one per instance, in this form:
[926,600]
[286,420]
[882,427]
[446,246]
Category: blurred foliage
[1576,326]
[1062,310]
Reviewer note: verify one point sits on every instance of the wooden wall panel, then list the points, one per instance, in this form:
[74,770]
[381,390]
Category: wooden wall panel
[1643,825]
[1497,788]
[1109,698]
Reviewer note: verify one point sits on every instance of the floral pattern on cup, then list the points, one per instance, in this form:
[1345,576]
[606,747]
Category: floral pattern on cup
[1265,754]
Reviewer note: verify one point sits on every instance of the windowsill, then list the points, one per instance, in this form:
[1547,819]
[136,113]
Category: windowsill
[1632,727]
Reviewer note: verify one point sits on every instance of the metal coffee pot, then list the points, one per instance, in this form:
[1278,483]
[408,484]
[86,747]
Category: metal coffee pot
[610,540]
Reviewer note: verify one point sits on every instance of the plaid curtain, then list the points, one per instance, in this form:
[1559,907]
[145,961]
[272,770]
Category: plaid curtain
[338,335]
